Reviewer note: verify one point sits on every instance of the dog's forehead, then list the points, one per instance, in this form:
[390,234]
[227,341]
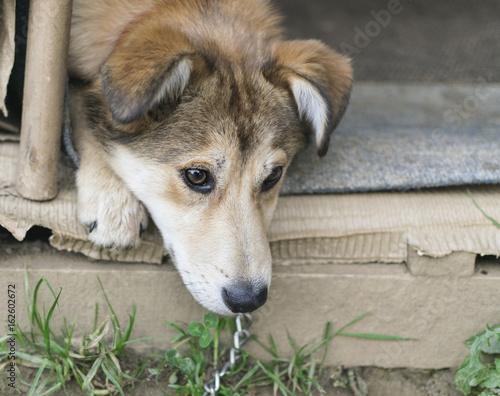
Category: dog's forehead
[247,112]
[239,114]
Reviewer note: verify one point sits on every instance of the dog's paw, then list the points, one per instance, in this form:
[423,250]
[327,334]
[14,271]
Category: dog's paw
[114,217]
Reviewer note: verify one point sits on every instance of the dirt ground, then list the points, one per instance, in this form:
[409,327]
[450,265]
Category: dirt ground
[379,382]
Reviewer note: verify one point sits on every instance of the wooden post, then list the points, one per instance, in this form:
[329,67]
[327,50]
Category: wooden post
[44,85]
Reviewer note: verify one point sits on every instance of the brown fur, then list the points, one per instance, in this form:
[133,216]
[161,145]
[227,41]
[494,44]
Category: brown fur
[171,85]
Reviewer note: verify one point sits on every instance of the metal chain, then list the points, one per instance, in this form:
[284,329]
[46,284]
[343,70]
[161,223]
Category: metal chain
[241,336]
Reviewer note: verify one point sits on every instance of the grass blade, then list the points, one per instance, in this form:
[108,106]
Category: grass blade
[91,374]
[70,336]
[96,315]
[495,223]
[328,330]
[51,390]
[128,331]
[275,379]
[115,362]
[111,378]
[37,377]
[310,374]
[265,347]
[35,314]
[62,376]
[44,383]
[22,337]
[109,304]
[352,322]
[139,339]
[291,341]
[246,377]
[273,345]
[376,337]
[37,361]
[46,327]
[327,340]
[177,327]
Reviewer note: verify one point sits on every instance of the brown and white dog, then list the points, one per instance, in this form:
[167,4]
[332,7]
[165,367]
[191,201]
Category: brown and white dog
[192,110]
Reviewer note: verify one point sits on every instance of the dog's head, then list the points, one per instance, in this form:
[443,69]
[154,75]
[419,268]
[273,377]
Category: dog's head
[203,132]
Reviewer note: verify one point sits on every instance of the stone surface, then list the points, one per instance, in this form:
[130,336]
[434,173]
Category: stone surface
[457,264]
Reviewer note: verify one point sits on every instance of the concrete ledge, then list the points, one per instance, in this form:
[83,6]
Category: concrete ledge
[452,265]
[441,312]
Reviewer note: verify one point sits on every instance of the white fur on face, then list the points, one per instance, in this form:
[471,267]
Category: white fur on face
[213,244]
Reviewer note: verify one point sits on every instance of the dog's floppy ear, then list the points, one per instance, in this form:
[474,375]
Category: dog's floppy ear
[320,81]
[148,64]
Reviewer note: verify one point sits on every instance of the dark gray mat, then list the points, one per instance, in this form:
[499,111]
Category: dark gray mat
[404,136]
[424,40]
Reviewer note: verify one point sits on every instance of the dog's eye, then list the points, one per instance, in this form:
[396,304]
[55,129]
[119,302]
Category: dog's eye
[273,178]
[198,179]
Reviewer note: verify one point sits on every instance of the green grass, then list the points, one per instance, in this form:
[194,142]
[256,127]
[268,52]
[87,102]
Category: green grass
[94,364]
[197,350]
[476,375]
[192,357]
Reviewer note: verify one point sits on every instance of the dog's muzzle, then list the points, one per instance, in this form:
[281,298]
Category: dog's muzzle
[244,297]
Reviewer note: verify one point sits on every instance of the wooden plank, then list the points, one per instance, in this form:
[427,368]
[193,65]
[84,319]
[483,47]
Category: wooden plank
[46,61]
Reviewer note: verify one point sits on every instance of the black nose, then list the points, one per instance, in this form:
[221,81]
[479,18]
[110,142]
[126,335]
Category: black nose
[244,297]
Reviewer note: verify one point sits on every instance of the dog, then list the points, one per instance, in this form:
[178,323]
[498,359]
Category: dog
[190,112]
